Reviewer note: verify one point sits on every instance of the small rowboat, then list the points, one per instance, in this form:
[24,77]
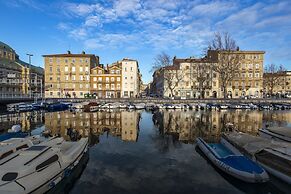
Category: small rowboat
[232,162]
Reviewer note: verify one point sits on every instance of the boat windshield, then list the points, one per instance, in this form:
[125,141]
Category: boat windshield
[36,148]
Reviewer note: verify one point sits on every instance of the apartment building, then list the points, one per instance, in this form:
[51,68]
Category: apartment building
[68,75]
[198,77]
[248,79]
[277,83]
[186,78]
[17,78]
[106,82]
[131,78]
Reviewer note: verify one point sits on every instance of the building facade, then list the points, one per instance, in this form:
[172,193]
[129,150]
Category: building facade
[248,78]
[18,79]
[131,78]
[68,75]
[106,82]
[198,78]
[278,84]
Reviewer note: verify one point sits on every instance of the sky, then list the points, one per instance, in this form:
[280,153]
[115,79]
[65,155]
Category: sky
[141,29]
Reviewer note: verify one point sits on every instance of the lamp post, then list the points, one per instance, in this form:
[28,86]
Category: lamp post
[29,59]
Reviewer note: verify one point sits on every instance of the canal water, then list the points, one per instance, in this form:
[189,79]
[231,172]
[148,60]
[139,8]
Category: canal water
[151,152]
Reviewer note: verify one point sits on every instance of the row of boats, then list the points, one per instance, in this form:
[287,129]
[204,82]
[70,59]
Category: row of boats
[251,158]
[95,106]
[37,165]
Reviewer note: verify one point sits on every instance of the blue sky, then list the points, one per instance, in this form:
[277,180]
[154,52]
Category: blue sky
[140,29]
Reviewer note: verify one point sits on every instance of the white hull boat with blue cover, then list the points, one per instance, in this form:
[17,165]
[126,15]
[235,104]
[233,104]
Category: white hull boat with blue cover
[41,167]
[234,164]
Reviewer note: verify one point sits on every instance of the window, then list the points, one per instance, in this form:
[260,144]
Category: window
[51,60]
[250,75]
[66,60]
[81,93]
[243,75]
[118,86]
[125,69]
[51,69]
[66,69]
[73,77]
[112,71]
[107,86]
[125,93]
[73,69]
[117,71]
[51,78]
[73,60]
[131,68]
[47,162]
[187,67]
[94,85]
[236,83]
[87,77]
[131,77]
[125,77]
[112,79]
[81,85]
[100,71]
[51,93]
[257,66]
[243,66]
[100,79]
[81,77]
[87,69]
[257,75]
[112,86]
[87,85]
[250,66]
[81,60]
[94,79]
[81,69]
[67,78]
[107,79]
[100,86]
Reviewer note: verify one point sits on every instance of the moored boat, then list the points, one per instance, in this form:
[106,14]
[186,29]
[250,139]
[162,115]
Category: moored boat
[233,163]
[41,167]
[277,133]
[274,156]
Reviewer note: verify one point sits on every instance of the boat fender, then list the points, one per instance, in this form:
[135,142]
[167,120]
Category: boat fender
[55,182]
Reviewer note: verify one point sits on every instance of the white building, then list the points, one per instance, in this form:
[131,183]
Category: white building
[131,78]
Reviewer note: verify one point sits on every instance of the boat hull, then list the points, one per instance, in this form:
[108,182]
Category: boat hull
[241,175]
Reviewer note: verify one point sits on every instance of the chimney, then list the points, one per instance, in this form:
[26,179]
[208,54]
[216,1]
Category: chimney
[69,52]
[237,48]
[83,52]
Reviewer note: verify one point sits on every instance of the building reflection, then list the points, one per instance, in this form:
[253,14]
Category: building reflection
[73,125]
[186,126]
[27,120]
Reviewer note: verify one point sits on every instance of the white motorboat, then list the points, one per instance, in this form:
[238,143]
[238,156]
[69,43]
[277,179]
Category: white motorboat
[277,133]
[41,167]
[232,162]
[140,106]
[130,106]
[169,106]
[178,106]
[122,106]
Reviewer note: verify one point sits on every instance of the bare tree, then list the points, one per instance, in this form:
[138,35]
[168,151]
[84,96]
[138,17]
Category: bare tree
[273,77]
[172,76]
[227,63]
[201,77]
[222,41]
[161,60]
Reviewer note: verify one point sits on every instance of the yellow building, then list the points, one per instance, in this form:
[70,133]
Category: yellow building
[248,79]
[106,82]
[68,75]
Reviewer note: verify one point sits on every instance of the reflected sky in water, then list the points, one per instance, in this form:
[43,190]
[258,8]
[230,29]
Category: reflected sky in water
[152,152]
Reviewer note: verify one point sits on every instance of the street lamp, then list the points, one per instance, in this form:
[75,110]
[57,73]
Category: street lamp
[29,59]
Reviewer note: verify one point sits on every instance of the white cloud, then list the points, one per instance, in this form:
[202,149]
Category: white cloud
[79,34]
[92,21]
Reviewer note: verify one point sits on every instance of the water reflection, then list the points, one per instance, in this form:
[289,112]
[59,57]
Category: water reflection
[27,120]
[73,125]
[187,125]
